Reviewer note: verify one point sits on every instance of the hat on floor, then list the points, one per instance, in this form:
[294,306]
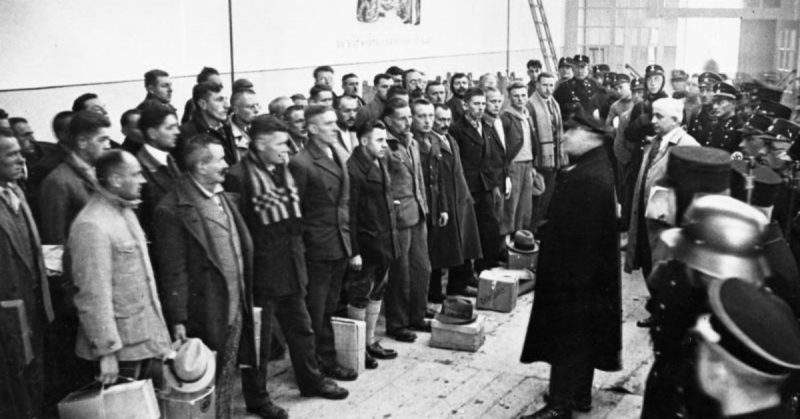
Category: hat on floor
[522,242]
[193,368]
[457,310]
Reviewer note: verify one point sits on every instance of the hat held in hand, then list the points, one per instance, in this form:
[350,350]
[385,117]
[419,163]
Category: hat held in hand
[457,310]
[193,368]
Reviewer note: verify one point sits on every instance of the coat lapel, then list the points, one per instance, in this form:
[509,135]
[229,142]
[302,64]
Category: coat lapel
[150,164]
[188,206]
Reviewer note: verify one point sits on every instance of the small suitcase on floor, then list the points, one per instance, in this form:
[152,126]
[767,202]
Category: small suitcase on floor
[461,337]
[350,338]
[198,405]
[498,290]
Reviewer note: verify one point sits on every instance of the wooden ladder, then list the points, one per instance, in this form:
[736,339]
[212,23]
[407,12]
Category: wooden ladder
[543,32]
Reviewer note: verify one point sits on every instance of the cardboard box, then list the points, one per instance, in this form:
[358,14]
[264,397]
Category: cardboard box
[198,405]
[498,290]
[523,260]
[461,337]
[350,338]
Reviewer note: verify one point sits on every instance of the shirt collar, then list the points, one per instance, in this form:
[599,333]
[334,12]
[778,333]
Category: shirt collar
[159,156]
[674,135]
[208,194]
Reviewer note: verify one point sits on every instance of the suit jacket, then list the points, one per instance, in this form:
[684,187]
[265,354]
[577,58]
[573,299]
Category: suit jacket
[117,301]
[159,182]
[279,262]
[22,276]
[477,155]
[456,105]
[408,181]
[653,168]
[324,188]
[193,287]
[373,227]
[63,194]
[514,135]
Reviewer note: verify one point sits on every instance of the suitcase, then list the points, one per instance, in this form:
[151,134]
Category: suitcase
[498,290]
[198,405]
[523,260]
[461,337]
[131,400]
[350,338]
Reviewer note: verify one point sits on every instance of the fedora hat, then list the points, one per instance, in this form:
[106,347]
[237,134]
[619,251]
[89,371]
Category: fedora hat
[721,237]
[457,310]
[522,242]
[193,368]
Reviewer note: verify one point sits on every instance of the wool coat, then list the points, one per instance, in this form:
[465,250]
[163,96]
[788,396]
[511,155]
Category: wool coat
[193,288]
[481,154]
[279,259]
[117,301]
[324,188]
[577,300]
[160,180]
[373,225]
[63,194]
[459,239]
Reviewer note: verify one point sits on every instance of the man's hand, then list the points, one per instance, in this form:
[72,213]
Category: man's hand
[109,369]
[497,197]
[443,217]
[356,263]
[508,187]
[180,332]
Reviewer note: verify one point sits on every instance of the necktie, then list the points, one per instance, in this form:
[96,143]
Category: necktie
[11,199]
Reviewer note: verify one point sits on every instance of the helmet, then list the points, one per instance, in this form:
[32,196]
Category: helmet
[721,237]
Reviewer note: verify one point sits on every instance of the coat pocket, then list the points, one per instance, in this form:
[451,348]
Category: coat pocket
[134,328]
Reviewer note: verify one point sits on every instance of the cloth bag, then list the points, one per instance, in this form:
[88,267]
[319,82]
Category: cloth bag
[130,400]
[538,184]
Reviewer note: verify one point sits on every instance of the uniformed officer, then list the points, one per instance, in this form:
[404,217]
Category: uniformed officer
[719,238]
[585,87]
[745,355]
[605,95]
[724,129]
[777,148]
[565,95]
[574,93]
[698,124]
[599,72]
[678,79]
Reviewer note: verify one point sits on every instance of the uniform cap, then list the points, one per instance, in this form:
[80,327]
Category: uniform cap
[773,109]
[766,183]
[620,78]
[708,79]
[678,75]
[601,68]
[637,84]
[565,62]
[754,326]
[724,90]
[580,60]
[653,70]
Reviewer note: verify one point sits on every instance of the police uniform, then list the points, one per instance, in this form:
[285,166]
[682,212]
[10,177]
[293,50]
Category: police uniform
[574,94]
[699,125]
[725,133]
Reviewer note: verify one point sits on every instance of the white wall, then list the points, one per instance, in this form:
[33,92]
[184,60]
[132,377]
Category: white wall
[55,50]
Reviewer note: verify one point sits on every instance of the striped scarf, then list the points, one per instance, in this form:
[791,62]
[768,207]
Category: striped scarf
[273,204]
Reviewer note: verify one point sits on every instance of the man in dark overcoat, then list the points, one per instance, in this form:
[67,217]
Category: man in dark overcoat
[270,206]
[576,320]
[452,243]
[207,282]
[22,278]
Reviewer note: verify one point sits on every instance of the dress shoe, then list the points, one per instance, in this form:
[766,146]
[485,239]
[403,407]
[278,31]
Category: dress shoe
[422,327]
[328,389]
[269,411]
[473,281]
[468,291]
[646,323]
[379,352]
[550,412]
[430,313]
[338,372]
[369,362]
[402,335]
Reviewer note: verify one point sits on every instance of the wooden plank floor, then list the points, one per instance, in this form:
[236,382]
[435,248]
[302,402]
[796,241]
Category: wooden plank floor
[426,382]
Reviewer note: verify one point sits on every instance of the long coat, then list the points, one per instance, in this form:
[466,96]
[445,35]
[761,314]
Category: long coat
[22,276]
[373,225]
[279,261]
[577,300]
[459,239]
[479,155]
[192,284]
[653,167]
[324,188]
[160,180]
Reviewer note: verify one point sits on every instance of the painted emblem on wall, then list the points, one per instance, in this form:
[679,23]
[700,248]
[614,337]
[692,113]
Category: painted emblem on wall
[370,11]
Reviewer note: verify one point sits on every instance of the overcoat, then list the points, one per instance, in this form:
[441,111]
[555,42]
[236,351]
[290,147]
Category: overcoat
[373,225]
[279,261]
[577,301]
[459,239]
[63,194]
[160,180]
[192,286]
